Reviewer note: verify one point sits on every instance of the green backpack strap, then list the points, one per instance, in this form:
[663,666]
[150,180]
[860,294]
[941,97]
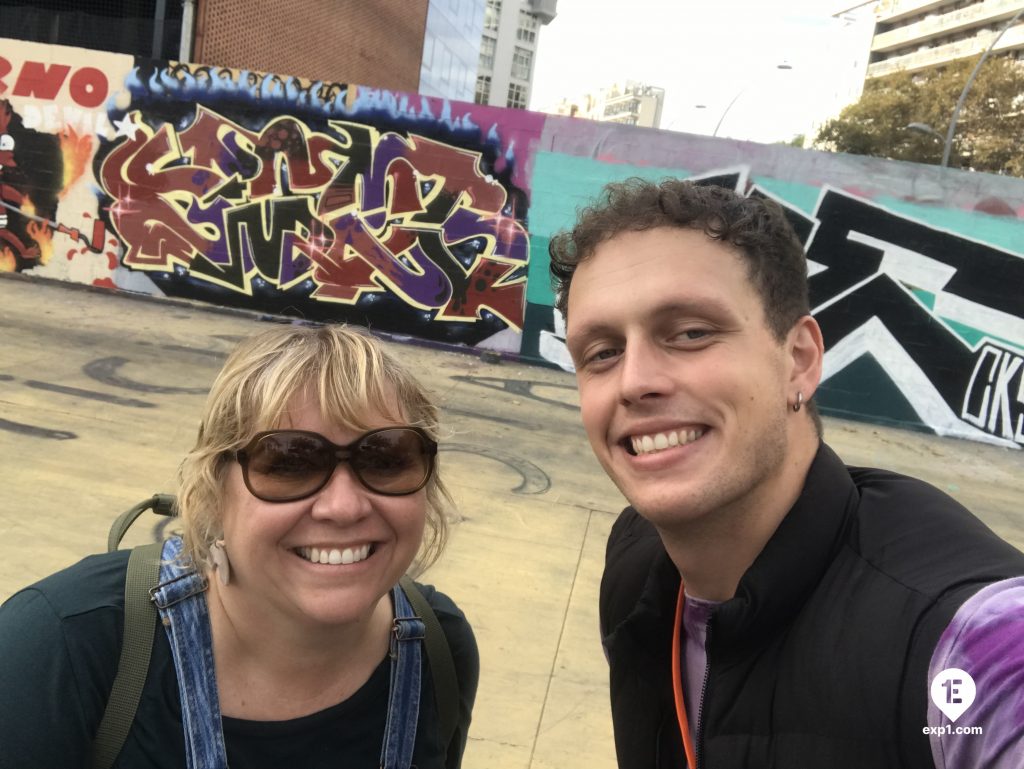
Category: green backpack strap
[161,504]
[442,666]
[140,619]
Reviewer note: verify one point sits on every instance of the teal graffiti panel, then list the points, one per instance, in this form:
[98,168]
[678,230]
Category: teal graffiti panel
[801,196]
[1000,231]
[561,184]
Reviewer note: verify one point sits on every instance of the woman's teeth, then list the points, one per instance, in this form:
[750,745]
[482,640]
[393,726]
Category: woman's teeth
[334,555]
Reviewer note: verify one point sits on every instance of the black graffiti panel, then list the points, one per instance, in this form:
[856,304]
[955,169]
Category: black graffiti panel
[981,387]
[936,351]
[995,395]
[982,272]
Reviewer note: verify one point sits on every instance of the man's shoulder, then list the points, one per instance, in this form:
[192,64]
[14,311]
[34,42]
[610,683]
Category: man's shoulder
[922,537]
[634,545]
[636,566]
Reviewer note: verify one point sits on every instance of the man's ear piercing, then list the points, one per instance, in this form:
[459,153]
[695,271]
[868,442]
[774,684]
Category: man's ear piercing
[799,401]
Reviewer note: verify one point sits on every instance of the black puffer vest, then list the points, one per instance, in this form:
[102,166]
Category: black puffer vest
[821,658]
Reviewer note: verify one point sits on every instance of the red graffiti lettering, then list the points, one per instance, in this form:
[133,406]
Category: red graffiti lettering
[88,87]
[5,70]
[352,213]
[41,81]
[305,158]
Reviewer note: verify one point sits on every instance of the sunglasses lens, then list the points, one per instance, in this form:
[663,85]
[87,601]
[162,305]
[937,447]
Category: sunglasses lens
[284,466]
[289,465]
[396,461]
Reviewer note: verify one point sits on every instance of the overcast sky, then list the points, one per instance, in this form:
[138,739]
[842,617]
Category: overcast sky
[704,53]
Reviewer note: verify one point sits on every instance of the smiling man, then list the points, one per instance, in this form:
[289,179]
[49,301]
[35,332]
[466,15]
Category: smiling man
[764,604]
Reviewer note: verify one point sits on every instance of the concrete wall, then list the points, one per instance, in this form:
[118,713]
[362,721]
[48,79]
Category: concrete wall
[431,219]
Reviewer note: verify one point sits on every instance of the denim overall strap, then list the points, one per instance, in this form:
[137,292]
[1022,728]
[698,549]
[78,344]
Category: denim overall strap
[406,671]
[181,602]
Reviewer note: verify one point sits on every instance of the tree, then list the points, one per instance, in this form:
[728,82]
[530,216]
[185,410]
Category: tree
[988,129]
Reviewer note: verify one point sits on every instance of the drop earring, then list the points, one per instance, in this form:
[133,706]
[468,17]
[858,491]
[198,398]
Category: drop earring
[799,401]
[221,564]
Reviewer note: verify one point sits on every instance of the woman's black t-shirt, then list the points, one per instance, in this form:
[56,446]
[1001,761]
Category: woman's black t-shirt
[60,641]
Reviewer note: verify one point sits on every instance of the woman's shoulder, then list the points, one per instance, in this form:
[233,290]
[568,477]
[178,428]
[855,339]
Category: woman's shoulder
[457,631]
[451,617]
[95,583]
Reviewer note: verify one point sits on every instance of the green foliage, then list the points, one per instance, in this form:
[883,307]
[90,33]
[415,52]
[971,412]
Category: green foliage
[987,130]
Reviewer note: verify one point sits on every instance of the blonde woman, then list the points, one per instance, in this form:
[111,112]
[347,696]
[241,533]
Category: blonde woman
[311,490]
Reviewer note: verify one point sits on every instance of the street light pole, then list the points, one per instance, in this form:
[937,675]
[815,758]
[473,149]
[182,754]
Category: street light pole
[784,65]
[726,111]
[967,87]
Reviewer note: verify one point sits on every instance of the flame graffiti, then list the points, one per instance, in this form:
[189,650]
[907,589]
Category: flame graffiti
[7,261]
[43,236]
[76,151]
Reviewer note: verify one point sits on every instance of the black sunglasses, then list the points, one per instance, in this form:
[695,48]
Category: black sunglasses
[286,465]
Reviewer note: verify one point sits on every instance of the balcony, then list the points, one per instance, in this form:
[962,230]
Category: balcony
[544,10]
[941,54]
[990,12]
[894,10]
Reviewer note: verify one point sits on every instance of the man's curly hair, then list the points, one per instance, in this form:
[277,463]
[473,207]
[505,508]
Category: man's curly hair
[756,228]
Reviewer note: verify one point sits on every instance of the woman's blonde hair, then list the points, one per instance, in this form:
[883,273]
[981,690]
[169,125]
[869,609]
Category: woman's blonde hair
[351,375]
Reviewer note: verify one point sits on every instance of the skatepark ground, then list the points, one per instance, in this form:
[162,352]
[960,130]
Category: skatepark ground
[100,396]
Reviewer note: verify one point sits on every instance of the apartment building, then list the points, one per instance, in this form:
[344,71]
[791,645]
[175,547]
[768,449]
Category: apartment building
[913,35]
[631,103]
[508,50]
[451,48]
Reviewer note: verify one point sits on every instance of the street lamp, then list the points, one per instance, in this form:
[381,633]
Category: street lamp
[948,141]
[785,65]
[925,129]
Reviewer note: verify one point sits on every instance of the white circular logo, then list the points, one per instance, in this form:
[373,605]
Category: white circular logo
[953,691]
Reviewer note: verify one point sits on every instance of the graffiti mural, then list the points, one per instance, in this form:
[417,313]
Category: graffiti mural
[340,216]
[430,219]
[310,214]
[908,296]
[286,196]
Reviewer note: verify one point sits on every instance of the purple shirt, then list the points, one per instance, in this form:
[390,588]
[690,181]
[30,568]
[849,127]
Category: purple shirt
[984,639]
[696,613]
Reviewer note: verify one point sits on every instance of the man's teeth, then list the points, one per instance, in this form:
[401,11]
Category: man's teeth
[648,444]
[334,555]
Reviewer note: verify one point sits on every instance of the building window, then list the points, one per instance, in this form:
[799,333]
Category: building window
[483,89]
[527,32]
[516,96]
[487,52]
[522,60]
[428,52]
[491,15]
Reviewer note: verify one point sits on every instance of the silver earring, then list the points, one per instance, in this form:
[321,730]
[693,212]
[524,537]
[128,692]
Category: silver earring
[221,564]
[799,401]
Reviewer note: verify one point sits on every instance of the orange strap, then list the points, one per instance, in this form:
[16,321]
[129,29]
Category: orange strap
[677,681]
